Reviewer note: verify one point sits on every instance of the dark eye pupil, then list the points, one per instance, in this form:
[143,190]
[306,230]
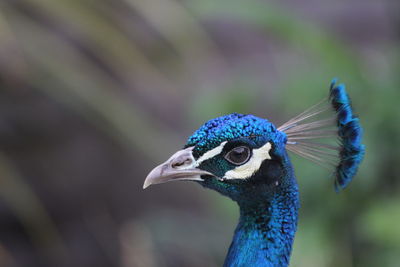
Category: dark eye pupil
[238,155]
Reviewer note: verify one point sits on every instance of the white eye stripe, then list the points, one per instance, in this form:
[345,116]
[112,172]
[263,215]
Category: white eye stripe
[249,168]
[210,154]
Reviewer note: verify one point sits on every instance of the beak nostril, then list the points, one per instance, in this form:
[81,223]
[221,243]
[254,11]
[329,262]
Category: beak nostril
[181,162]
[177,164]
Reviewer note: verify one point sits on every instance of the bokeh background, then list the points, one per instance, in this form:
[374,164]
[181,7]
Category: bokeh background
[95,93]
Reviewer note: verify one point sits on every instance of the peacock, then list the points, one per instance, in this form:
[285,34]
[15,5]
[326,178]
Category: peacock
[245,158]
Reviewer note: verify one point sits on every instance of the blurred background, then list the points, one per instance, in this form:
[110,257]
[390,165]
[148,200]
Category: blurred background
[94,94]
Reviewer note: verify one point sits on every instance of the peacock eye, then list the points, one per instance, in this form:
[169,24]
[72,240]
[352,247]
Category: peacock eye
[238,155]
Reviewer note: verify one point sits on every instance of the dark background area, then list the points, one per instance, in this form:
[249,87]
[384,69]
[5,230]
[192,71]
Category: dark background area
[94,94]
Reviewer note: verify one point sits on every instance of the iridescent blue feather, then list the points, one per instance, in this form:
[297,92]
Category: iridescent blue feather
[312,138]
[350,134]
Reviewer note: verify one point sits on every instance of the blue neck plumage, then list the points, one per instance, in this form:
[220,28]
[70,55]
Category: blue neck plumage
[267,225]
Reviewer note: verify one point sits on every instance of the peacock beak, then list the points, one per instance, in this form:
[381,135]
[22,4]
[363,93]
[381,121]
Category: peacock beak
[180,166]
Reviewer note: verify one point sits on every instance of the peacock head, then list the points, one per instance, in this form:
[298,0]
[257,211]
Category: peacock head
[229,154]
[236,154]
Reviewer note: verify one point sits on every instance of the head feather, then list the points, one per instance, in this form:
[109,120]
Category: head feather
[331,141]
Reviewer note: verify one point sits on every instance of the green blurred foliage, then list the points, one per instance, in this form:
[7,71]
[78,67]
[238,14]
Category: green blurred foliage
[148,73]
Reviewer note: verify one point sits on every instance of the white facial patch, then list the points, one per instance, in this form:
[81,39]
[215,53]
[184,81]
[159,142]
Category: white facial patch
[210,154]
[249,168]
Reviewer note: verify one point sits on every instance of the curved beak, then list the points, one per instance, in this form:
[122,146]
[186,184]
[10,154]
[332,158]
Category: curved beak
[180,166]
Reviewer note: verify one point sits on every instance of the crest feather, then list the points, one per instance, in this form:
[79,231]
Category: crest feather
[328,134]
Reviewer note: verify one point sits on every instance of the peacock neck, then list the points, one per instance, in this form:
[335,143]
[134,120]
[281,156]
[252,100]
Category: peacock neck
[266,229]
